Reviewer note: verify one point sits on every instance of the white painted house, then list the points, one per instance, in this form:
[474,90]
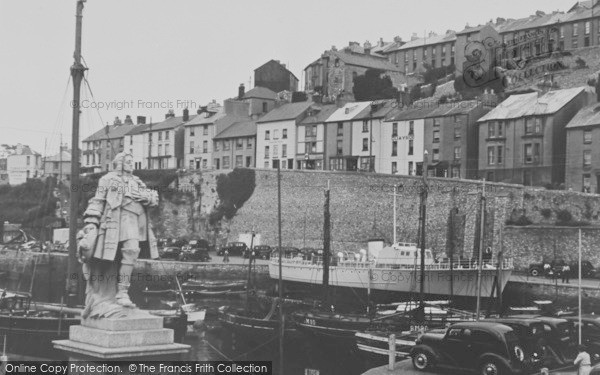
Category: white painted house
[402,142]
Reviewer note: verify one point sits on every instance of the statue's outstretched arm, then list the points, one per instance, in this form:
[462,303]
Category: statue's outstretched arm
[95,208]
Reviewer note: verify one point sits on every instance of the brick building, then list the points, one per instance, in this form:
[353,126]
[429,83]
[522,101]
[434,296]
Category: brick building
[583,151]
[275,76]
[523,139]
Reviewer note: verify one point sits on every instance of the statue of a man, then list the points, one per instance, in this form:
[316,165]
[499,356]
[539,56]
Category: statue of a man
[118,212]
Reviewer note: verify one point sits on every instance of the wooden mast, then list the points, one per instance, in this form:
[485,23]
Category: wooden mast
[423,218]
[281,316]
[326,244]
[77,70]
[480,248]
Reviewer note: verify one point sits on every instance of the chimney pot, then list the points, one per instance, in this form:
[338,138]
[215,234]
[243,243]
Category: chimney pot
[414,36]
[186,114]
[141,120]
[242,91]
[117,121]
[128,120]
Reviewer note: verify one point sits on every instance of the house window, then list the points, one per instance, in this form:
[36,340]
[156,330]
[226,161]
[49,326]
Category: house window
[536,152]
[575,43]
[191,164]
[167,148]
[411,170]
[491,129]
[192,131]
[266,152]
[340,149]
[310,131]
[455,172]
[365,144]
[159,150]
[395,129]
[217,145]
[28,160]
[491,155]
[276,134]
[410,146]
[284,134]
[160,136]
[167,135]
[436,121]
[394,167]
[225,162]
[267,164]
[267,135]
[312,146]
[150,137]
[457,132]
[575,29]
[587,183]
[436,136]
[587,136]
[562,31]
[457,152]
[528,154]
[538,125]
[130,140]
[226,145]
[249,143]
[205,130]
[204,164]
[239,143]
[499,155]
[436,154]
[275,152]
[340,128]
[395,148]
[529,126]
[264,107]
[365,127]
[411,128]
[587,158]
[500,128]
[365,164]
[284,151]
[239,161]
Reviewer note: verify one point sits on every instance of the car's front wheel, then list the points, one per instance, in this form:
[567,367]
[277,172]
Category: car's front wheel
[490,368]
[421,361]
[534,272]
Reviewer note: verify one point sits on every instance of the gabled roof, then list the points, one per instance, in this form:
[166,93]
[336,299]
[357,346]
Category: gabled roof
[261,93]
[110,132]
[410,113]
[430,40]
[587,116]
[63,156]
[278,63]
[366,61]
[383,108]
[348,111]
[451,109]
[523,105]
[138,129]
[321,115]
[206,118]
[168,124]
[289,111]
[238,130]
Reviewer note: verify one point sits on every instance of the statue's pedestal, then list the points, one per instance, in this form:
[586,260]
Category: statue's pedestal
[136,338]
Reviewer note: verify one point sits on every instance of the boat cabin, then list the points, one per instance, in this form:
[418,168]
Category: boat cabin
[402,253]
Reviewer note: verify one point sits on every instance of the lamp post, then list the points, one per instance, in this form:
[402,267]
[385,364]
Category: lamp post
[306,160]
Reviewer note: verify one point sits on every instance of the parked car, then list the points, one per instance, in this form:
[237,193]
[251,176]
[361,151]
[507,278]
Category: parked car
[260,251]
[590,333]
[170,252]
[201,244]
[234,248]
[561,339]
[531,334]
[194,254]
[485,347]
[554,269]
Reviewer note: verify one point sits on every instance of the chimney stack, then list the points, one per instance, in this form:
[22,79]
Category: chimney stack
[141,120]
[397,39]
[432,34]
[117,121]
[128,120]
[170,114]
[367,47]
[500,20]
[186,114]
[381,43]
[242,91]
[414,36]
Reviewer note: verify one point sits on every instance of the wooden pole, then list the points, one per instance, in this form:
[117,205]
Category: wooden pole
[481,245]
[77,70]
[395,224]
[281,321]
[579,288]
[326,244]
[423,224]
[392,352]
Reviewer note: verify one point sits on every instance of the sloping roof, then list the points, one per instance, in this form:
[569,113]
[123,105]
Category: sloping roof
[280,64]
[367,61]
[410,113]
[470,29]
[261,93]
[206,118]
[26,150]
[238,129]
[226,121]
[529,104]
[289,111]
[321,116]
[384,107]
[430,40]
[138,129]
[451,109]
[110,132]
[587,116]
[65,157]
[168,124]
[348,111]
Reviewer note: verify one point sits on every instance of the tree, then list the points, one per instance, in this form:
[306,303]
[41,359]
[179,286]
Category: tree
[373,85]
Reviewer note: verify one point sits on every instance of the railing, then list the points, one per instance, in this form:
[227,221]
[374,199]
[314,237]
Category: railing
[506,264]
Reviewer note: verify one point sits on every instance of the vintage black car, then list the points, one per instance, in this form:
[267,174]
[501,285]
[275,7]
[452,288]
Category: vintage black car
[590,333]
[260,251]
[484,347]
[561,340]
[531,334]
[196,255]
[554,269]
[233,248]
[200,243]
[170,252]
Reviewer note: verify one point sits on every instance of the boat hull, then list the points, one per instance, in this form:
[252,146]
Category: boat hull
[255,329]
[441,282]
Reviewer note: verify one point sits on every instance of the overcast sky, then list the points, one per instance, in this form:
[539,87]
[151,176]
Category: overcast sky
[177,51]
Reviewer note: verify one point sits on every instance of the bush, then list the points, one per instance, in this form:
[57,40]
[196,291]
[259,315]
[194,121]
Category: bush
[546,213]
[521,221]
[234,189]
[580,63]
[563,217]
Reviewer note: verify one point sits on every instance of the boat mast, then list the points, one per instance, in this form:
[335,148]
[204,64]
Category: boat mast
[423,221]
[326,244]
[395,192]
[480,250]
[77,70]
[249,282]
[281,322]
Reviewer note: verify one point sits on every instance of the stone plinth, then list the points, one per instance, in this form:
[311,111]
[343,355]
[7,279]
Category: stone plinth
[137,337]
